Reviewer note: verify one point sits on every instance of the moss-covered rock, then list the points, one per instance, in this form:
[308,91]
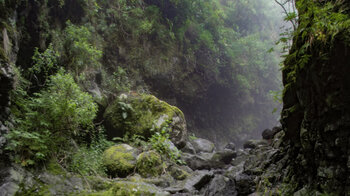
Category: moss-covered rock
[179,172]
[144,115]
[120,160]
[126,188]
[149,164]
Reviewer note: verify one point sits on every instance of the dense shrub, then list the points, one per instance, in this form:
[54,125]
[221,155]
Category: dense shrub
[50,120]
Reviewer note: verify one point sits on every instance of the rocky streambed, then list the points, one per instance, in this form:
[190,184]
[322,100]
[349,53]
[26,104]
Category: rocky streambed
[170,163]
[208,171]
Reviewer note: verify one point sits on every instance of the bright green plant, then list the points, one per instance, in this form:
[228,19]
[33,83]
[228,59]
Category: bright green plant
[87,160]
[50,119]
[161,143]
[45,63]
[82,53]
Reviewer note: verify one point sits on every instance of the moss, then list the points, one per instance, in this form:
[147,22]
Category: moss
[125,188]
[54,168]
[139,114]
[149,164]
[178,173]
[120,160]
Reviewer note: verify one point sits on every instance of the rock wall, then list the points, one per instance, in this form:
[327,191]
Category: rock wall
[316,104]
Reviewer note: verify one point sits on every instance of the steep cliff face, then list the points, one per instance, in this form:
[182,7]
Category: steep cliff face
[316,108]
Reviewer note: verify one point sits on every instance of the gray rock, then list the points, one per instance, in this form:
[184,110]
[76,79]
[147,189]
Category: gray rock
[209,160]
[188,148]
[230,146]
[224,156]
[220,185]
[10,179]
[203,145]
[200,161]
[268,134]
[197,180]
[245,184]
[254,143]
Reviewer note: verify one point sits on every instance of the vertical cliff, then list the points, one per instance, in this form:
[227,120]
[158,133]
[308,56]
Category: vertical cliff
[316,99]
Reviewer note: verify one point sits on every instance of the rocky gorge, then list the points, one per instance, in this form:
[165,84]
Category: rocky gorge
[204,169]
[147,97]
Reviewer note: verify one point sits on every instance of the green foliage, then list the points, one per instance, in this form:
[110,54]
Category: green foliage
[82,53]
[45,63]
[161,143]
[50,119]
[117,82]
[87,160]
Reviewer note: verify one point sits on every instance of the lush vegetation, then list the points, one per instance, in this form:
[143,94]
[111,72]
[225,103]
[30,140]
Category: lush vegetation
[210,57]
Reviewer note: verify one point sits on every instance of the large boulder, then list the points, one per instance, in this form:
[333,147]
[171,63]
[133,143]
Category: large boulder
[219,159]
[144,115]
[193,184]
[202,145]
[120,160]
[149,164]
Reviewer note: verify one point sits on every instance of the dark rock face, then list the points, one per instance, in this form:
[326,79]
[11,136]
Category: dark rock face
[268,134]
[316,111]
[6,85]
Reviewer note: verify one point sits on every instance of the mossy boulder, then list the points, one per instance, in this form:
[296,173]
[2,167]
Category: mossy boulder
[144,115]
[179,172]
[149,164]
[126,188]
[120,160]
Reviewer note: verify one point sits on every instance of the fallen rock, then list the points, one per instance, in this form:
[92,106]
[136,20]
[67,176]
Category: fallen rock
[220,185]
[188,148]
[197,180]
[203,145]
[209,160]
[254,143]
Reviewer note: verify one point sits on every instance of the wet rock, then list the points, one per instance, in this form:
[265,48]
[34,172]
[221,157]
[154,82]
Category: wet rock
[203,145]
